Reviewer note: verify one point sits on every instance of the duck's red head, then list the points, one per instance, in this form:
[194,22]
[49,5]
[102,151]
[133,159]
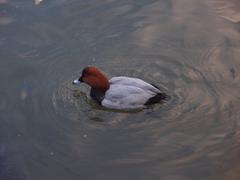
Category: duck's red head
[94,78]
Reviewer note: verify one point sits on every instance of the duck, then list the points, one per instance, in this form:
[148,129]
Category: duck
[121,92]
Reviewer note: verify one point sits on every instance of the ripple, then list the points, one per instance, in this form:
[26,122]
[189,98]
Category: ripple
[228,9]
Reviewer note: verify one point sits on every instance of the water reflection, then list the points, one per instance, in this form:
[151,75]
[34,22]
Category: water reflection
[52,130]
[228,9]
[37,2]
[3,1]
[4,18]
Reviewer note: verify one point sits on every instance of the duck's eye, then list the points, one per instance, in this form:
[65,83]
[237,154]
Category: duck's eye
[81,79]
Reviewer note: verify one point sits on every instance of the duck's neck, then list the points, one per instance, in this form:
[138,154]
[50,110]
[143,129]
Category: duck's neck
[101,83]
[97,95]
[99,89]
[104,84]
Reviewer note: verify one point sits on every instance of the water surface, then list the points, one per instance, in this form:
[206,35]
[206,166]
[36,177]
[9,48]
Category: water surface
[51,129]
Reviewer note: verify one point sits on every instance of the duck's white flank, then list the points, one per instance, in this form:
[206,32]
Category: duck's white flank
[128,93]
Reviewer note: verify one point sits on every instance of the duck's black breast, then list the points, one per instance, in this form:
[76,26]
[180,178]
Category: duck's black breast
[97,95]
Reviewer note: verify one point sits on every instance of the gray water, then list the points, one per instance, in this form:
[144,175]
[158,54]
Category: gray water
[52,130]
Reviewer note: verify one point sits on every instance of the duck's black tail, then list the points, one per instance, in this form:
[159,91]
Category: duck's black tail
[160,97]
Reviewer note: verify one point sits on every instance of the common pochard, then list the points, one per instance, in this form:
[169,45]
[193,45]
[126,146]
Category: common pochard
[120,92]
